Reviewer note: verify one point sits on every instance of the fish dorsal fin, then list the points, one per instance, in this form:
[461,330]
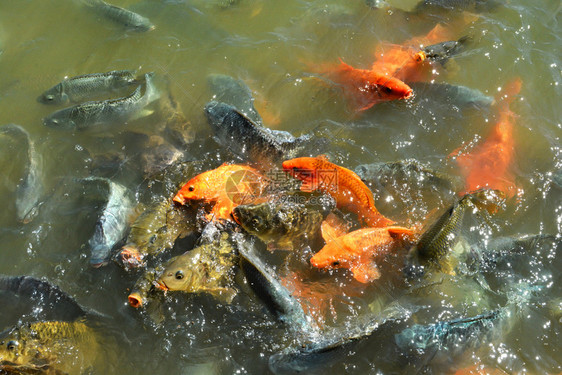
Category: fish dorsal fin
[366,272]
[323,157]
[333,227]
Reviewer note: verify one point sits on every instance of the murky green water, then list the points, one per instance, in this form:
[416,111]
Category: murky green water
[272,46]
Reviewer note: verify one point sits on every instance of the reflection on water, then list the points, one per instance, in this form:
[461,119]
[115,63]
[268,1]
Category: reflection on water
[277,49]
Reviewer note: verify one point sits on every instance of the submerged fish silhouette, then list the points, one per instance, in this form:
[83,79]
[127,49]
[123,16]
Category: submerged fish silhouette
[489,164]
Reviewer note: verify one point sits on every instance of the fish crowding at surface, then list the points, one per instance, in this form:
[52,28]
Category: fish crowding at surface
[359,250]
[350,193]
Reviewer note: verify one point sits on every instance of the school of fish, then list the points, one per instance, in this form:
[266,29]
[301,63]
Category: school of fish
[280,222]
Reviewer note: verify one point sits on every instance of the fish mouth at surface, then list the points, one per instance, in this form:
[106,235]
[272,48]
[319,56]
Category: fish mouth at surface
[161,285]
[135,300]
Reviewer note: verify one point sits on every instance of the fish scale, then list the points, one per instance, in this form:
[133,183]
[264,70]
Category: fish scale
[85,86]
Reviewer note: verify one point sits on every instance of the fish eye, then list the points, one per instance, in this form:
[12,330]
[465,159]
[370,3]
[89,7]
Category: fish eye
[49,97]
[387,89]
[255,222]
[335,263]
[191,188]
[179,275]
[12,345]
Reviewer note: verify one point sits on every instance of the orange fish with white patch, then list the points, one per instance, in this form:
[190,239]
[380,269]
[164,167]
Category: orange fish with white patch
[226,186]
[359,250]
[350,193]
[489,164]
[366,87]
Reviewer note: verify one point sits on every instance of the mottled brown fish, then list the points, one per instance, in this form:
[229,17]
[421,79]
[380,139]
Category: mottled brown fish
[279,224]
[154,230]
[208,269]
[49,347]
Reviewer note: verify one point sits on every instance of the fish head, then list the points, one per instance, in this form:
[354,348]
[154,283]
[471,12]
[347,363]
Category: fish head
[387,89]
[54,95]
[198,188]
[181,272]
[333,256]
[60,119]
[217,114]
[18,352]
[255,219]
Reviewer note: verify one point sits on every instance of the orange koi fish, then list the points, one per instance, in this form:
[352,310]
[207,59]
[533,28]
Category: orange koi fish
[226,186]
[409,62]
[480,369]
[358,251]
[489,164]
[367,88]
[344,185]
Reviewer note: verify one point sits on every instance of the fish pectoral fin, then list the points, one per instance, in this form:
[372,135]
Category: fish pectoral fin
[222,294]
[280,245]
[142,113]
[366,272]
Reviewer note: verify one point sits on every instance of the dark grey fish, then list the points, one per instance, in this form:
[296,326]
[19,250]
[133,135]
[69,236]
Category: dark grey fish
[413,187]
[383,174]
[269,289]
[522,257]
[111,226]
[445,341]
[121,16]
[80,88]
[87,114]
[38,299]
[247,140]
[328,348]
[235,92]
[479,6]
[441,52]
[459,96]
[450,338]
[29,189]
